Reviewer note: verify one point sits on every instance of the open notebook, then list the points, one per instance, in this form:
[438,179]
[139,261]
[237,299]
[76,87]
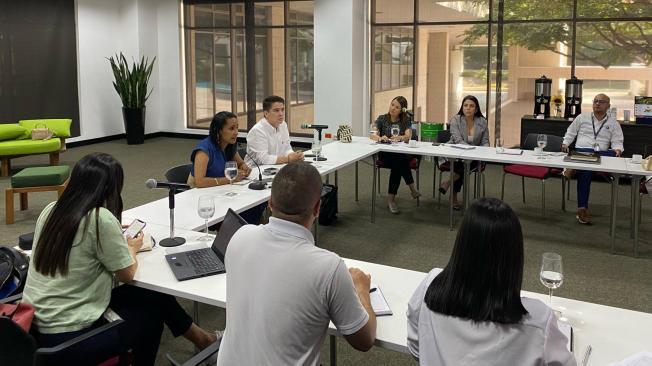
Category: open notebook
[378,301]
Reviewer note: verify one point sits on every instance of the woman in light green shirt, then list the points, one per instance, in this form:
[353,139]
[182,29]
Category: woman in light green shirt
[78,249]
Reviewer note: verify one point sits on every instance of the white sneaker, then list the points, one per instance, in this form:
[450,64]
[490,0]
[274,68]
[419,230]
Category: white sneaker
[393,207]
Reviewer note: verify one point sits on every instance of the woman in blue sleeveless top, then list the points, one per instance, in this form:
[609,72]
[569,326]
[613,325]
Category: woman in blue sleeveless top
[210,155]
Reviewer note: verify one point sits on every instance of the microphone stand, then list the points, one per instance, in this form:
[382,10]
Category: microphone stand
[259,185]
[172,241]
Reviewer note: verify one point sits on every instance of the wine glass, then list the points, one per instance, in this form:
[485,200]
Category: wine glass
[499,147]
[552,274]
[231,172]
[373,132]
[395,131]
[206,210]
[542,141]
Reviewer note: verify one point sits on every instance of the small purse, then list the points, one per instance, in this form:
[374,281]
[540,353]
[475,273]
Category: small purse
[21,314]
[344,133]
[41,132]
[646,164]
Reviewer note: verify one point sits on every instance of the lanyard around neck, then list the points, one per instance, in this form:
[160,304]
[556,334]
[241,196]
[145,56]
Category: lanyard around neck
[595,134]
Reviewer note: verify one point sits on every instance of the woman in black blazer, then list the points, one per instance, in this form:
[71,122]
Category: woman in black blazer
[467,127]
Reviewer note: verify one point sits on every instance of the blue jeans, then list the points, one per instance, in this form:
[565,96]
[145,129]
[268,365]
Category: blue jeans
[584,180]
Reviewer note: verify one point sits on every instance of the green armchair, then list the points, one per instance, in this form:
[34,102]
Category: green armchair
[16,141]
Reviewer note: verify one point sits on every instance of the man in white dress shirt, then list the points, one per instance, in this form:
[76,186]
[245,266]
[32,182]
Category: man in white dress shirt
[595,132]
[283,290]
[268,142]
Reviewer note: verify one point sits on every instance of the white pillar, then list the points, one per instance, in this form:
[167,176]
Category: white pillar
[341,64]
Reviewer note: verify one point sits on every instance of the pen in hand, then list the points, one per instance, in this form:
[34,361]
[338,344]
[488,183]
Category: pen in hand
[373,289]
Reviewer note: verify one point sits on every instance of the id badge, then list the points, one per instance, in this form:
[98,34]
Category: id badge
[596,147]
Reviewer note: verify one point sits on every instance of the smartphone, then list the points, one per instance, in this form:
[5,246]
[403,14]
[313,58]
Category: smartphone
[135,228]
[436,143]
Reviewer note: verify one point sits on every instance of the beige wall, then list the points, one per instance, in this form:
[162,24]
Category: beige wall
[438,71]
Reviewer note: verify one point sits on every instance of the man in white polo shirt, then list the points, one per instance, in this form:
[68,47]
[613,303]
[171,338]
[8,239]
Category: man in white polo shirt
[595,132]
[268,142]
[283,290]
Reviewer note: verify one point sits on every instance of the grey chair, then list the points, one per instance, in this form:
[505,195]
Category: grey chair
[178,174]
[443,137]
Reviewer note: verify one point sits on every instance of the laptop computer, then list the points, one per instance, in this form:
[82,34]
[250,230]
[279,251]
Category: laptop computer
[207,261]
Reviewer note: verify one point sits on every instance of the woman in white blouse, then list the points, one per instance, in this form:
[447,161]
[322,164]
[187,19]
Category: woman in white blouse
[471,312]
[467,127]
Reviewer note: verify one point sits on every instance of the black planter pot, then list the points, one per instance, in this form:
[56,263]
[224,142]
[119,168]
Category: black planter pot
[134,119]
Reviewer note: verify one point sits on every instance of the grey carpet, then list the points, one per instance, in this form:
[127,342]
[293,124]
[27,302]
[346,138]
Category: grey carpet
[417,239]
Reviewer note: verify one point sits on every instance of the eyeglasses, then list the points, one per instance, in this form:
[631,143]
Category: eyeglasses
[598,101]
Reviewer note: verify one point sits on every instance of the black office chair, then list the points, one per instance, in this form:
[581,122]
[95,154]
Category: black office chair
[20,348]
[178,174]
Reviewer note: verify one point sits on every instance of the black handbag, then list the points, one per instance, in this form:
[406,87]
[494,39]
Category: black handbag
[13,271]
[328,209]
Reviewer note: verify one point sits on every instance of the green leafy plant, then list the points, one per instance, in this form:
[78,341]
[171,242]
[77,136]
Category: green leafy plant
[131,84]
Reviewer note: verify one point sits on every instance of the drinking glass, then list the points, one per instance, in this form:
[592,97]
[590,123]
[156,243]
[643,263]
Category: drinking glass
[542,141]
[395,131]
[499,147]
[231,172]
[552,274]
[373,132]
[316,149]
[206,210]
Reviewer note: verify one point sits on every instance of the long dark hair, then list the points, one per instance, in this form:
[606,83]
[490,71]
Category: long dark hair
[478,112]
[403,117]
[482,281]
[218,122]
[96,181]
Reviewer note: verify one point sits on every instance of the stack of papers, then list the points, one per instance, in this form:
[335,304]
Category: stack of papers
[378,301]
[462,146]
[510,151]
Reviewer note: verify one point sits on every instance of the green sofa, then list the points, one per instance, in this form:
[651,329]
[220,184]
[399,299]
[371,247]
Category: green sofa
[16,141]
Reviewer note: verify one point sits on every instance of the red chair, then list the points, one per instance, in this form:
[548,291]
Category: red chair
[537,172]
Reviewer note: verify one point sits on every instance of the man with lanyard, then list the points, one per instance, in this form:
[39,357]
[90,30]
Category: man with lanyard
[595,132]
[268,141]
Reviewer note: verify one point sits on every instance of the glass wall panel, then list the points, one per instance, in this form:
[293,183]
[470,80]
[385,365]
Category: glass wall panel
[393,66]
[448,11]
[301,12]
[269,13]
[392,11]
[614,58]
[208,16]
[600,9]
[270,63]
[535,9]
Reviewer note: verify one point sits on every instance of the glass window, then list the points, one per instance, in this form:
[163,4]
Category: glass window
[392,11]
[301,12]
[447,11]
[269,13]
[614,58]
[535,9]
[208,16]
[600,9]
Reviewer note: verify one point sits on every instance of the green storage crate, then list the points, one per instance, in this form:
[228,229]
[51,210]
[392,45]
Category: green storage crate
[430,130]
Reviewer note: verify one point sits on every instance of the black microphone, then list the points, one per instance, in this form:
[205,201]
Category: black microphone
[153,183]
[316,127]
[258,185]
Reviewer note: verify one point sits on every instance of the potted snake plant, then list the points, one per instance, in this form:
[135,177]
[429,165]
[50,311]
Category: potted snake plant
[131,86]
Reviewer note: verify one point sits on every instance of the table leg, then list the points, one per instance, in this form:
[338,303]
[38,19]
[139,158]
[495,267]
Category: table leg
[195,312]
[337,199]
[333,344]
[450,194]
[634,192]
[635,211]
[614,204]
[467,183]
[373,191]
[356,181]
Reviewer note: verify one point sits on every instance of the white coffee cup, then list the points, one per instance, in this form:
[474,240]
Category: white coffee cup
[636,158]
[413,143]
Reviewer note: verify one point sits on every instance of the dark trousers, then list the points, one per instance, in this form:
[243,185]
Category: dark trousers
[144,312]
[458,169]
[399,166]
[253,215]
[584,178]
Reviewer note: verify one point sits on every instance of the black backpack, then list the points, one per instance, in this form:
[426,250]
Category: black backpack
[13,271]
[328,210]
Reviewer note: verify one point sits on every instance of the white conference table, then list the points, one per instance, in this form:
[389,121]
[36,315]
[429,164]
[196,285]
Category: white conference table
[339,155]
[613,333]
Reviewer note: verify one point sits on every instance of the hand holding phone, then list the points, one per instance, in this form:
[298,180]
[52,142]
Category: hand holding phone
[134,228]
